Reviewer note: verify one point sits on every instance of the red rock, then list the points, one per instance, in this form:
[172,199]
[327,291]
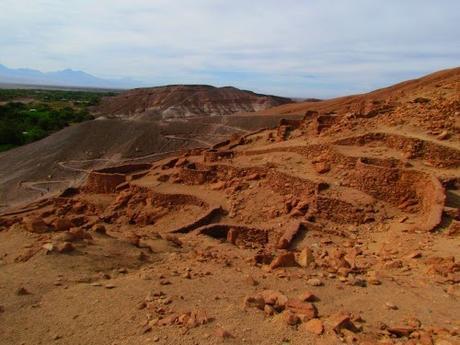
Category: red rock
[65,247]
[62,224]
[197,318]
[454,228]
[321,167]
[254,176]
[218,185]
[183,319]
[284,260]
[251,281]
[291,318]
[444,135]
[314,282]
[274,298]
[288,236]
[174,239]
[269,310]
[254,302]
[35,225]
[48,247]
[414,255]
[307,296]
[22,291]
[99,228]
[308,310]
[341,321]
[314,326]
[168,321]
[133,239]
[232,235]
[401,331]
[222,333]
[305,258]
[80,234]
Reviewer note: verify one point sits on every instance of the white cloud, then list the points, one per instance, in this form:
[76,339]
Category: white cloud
[348,46]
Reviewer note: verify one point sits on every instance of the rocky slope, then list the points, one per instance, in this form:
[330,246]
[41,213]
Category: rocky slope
[178,101]
[340,227]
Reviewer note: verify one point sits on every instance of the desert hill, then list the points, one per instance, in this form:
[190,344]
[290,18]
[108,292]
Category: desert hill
[434,95]
[341,224]
[176,101]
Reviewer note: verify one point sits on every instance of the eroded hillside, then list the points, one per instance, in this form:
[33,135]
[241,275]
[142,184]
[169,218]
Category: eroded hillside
[179,101]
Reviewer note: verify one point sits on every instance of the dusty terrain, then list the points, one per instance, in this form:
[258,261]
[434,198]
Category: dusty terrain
[340,227]
[179,101]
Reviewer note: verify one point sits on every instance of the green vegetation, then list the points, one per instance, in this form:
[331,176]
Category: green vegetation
[29,115]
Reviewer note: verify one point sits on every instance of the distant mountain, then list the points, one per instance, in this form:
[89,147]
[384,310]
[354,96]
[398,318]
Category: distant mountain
[67,77]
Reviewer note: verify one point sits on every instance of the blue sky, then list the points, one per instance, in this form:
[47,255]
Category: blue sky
[308,48]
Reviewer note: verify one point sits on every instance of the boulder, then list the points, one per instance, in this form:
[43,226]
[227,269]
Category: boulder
[307,310]
[35,225]
[314,326]
[284,260]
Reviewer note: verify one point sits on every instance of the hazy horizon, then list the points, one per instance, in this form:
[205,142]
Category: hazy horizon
[295,48]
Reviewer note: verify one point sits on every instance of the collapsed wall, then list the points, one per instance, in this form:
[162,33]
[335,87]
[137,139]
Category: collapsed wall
[410,190]
[440,156]
[107,180]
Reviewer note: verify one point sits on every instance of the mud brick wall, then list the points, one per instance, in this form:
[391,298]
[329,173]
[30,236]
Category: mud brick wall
[98,182]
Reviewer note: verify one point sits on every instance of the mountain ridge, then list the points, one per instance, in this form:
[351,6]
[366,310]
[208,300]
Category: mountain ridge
[66,77]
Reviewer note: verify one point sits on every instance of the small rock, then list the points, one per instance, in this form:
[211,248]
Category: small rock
[443,135]
[314,326]
[321,167]
[314,282]
[22,291]
[305,258]
[372,278]
[275,299]
[109,286]
[173,239]
[290,318]
[341,321]
[391,306]
[269,310]
[232,235]
[254,302]
[414,255]
[401,331]
[308,296]
[65,247]
[306,309]
[99,228]
[414,323]
[35,225]
[48,247]
[251,281]
[222,333]
[141,305]
[284,260]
